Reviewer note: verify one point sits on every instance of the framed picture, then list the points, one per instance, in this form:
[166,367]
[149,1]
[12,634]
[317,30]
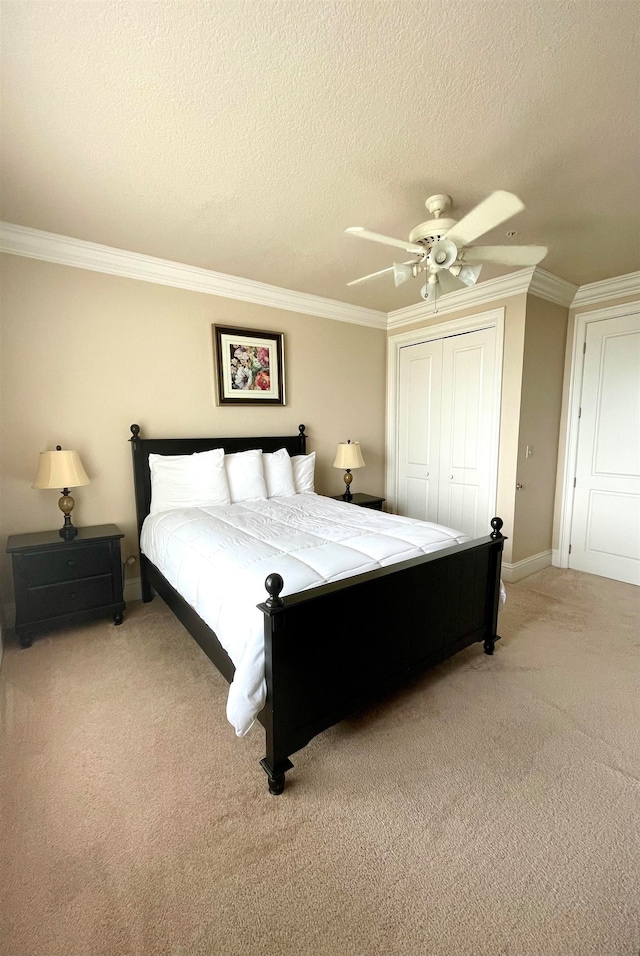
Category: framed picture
[249,366]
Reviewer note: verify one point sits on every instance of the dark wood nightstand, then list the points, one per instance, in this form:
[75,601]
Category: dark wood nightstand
[363,501]
[61,582]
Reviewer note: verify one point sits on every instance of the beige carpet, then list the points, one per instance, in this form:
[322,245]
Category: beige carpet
[491,808]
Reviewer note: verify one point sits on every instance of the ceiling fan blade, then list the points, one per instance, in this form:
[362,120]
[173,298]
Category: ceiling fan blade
[372,275]
[506,255]
[401,272]
[496,208]
[363,233]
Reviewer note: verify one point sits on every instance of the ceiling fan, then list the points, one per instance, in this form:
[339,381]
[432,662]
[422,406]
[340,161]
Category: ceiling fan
[441,250]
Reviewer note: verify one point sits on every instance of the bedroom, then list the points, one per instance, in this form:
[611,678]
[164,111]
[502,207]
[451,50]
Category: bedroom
[95,339]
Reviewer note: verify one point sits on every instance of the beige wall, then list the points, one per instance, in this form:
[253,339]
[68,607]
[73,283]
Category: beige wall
[542,377]
[85,354]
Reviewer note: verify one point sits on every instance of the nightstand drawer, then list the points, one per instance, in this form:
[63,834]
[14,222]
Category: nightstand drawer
[57,599]
[49,567]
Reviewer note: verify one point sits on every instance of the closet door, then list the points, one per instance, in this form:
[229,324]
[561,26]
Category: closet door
[466,432]
[419,430]
[605,531]
[447,449]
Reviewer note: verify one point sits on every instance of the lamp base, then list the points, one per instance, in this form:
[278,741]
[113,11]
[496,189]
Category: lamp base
[66,503]
[348,478]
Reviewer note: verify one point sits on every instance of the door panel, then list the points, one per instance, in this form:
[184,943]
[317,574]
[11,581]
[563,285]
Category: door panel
[419,431]
[605,530]
[467,428]
[458,507]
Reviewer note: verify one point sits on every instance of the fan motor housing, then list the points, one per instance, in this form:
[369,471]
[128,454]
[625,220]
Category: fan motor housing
[426,233]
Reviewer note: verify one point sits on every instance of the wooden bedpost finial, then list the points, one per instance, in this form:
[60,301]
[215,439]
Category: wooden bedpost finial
[135,432]
[496,524]
[274,585]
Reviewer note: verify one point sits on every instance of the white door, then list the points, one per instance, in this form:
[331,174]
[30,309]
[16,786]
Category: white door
[466,432]
[419,430]
[605,529]
[447,449]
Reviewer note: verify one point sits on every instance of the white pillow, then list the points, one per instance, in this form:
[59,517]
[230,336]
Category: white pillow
[188,481]
[245,475]
[303,473]
[278,473]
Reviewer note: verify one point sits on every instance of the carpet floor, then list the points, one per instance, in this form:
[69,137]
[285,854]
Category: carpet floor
[491,807]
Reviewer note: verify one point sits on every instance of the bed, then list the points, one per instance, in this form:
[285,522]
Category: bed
[329,641]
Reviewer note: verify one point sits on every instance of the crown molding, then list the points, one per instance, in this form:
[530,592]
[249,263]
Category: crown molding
[614,288]
[79,253]
[552,288]
[477,295]
[532,280]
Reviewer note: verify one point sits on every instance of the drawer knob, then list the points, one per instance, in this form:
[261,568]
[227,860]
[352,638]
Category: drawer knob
[71,562]
[74,594]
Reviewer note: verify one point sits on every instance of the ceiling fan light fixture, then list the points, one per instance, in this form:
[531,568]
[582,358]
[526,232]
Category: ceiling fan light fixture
[443,253]
[402,272]
[428,290]
[469,274]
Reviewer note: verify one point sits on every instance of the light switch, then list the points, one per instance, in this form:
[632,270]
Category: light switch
[529,452]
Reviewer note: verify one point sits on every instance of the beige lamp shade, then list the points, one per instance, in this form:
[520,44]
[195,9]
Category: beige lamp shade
[60,469]
[349,455]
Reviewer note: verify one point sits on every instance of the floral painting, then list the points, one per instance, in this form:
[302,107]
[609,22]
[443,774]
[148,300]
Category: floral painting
[249,366]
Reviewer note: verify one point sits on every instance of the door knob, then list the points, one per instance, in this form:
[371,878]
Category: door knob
[519,486]
[450,476]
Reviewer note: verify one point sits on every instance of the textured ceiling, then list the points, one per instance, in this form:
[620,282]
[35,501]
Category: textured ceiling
[245,136]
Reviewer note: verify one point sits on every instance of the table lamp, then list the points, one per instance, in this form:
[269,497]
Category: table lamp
[63,470]
[348,457]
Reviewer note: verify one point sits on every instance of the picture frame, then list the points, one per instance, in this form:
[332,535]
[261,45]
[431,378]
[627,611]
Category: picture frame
[249,366]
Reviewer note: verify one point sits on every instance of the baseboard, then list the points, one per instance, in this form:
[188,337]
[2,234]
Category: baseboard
[521,569]
[9,615]
[133,590]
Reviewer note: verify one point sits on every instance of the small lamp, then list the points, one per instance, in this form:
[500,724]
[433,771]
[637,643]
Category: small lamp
[62,469]
[348,457]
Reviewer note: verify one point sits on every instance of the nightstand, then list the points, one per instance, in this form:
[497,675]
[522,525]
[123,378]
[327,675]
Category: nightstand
[61,582]
[363,501]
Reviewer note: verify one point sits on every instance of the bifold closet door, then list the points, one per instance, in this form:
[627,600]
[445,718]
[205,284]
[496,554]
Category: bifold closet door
[420,383]
[466,429]
[446,455]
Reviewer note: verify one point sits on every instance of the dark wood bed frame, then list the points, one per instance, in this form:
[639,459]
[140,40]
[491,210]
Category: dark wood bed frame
[332,649]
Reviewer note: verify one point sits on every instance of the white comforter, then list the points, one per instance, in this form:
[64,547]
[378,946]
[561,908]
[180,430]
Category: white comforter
[218,559]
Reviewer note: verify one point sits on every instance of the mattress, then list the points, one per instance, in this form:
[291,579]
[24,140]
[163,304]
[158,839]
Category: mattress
[218,557]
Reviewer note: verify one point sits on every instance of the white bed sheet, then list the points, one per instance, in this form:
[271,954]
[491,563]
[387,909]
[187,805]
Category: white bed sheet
[218,559]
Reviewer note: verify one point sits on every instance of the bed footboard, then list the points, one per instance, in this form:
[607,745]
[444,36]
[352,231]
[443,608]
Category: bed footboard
[333,649]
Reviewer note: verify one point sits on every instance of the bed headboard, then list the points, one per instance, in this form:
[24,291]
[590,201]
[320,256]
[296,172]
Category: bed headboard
[143,447]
